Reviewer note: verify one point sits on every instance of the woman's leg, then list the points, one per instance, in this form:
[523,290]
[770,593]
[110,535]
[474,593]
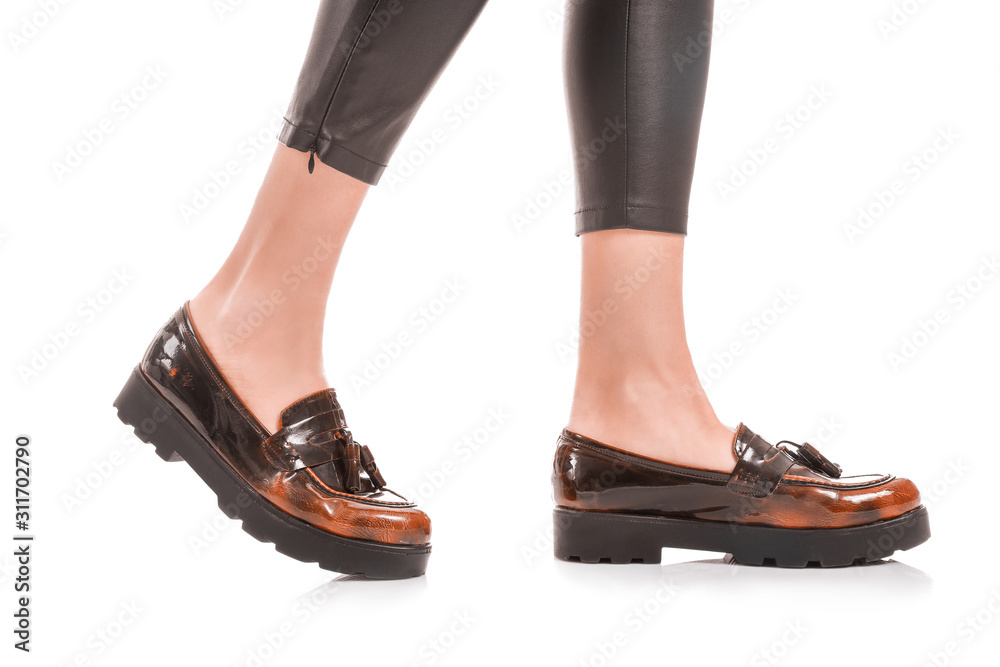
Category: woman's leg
[262,314]
[369,66]
[635,92]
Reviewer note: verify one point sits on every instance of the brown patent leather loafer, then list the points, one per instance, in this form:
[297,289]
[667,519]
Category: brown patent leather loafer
[786,504]
[309,487]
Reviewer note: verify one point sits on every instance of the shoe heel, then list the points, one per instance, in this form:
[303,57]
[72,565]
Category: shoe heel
[599,537]
[151,417]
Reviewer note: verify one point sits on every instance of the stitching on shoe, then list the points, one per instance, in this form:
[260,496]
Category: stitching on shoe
[796,480]
[372,501]
[652,465]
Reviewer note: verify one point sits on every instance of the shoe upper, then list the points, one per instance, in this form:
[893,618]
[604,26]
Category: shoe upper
[311,467]
[787,486]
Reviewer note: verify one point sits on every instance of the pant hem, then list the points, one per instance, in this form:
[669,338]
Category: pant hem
[332,155]
[643,218]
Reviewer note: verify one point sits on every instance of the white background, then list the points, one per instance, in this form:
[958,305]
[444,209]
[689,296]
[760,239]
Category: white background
[118,530]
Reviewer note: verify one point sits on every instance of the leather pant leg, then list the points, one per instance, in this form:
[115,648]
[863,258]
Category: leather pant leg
[369,66]
[635,71]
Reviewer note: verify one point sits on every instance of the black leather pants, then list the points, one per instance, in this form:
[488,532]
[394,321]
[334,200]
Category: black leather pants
[635,74]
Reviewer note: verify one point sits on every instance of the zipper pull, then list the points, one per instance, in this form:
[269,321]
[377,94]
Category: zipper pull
[312,158]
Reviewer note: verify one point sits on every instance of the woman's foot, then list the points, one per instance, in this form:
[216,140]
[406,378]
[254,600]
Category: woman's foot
[261,316]
[636,386]
[270,359]
[786,504]
[308,486]
[670,422]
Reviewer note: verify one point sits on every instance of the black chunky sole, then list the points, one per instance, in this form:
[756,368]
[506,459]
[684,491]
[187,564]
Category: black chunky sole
[158,423]
[611,537]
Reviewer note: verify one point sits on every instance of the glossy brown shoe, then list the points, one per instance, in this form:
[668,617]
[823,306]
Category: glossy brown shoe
[786,505]
[309,487]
